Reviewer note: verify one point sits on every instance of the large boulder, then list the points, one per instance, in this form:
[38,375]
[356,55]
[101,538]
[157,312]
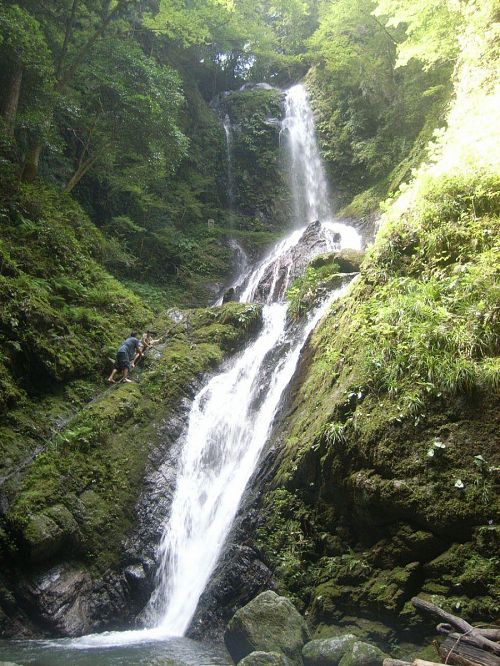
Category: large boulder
[362,654]
[269,623]
[61,596]
[265,659]
[327,651]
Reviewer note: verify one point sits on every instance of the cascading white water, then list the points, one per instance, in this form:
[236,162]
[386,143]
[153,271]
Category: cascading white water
[232,416]
[226,433]
[229,161]
[230,419]
[307,175]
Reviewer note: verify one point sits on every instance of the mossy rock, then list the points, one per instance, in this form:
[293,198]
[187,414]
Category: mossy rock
[260,658]
[224,335]
[327,651]
[389,590]
[362,654]
[268,623]
[348,260]
[45,533]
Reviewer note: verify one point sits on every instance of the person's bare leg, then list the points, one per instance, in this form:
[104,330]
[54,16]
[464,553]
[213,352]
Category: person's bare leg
[125,377]
[111,378]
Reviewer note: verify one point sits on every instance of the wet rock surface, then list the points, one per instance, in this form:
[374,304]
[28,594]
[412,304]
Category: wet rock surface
[62,596]
[314,241]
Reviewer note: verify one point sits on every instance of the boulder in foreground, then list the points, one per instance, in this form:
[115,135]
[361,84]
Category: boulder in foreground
[269,623]
[327,651]
[260,658]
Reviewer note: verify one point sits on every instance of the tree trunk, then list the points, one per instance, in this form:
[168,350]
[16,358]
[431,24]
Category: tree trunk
[9,107]
[459,653]
[457,622]
[80,173]
[30,170]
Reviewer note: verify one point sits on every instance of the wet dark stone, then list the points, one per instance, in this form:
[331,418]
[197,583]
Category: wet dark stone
[290,265]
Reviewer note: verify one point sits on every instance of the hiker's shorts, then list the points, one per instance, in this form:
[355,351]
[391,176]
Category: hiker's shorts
[122,361]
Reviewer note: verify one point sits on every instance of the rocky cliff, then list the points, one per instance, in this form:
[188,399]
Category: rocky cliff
[81,521]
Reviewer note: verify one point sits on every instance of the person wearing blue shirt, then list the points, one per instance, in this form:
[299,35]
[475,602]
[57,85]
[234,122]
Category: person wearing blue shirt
[125,358]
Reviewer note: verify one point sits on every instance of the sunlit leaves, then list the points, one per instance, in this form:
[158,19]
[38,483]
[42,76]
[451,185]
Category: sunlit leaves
[431,28]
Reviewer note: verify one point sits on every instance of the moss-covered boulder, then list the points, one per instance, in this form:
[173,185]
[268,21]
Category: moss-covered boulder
[269,623]
[362,654]
[327,651]
[260,658]
[347,260]
[45,533]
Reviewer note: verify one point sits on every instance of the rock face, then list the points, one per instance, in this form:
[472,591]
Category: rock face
[99,498]
[269,623]
[327,651]
[314,241]
[61,594]
[239,577]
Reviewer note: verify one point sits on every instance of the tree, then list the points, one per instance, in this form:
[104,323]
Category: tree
[24,53]
[123,110]
[72,29]
[431,29]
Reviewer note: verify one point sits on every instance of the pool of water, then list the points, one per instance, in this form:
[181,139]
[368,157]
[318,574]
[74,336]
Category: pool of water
[169,652]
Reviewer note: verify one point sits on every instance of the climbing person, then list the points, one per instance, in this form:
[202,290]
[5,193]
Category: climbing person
[125,358]
[147,342]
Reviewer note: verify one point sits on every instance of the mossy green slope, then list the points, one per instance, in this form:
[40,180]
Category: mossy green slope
[61,317]
[386,483]
[77,497]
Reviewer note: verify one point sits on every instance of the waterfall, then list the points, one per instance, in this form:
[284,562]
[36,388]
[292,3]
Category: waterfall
[306,172]
[229,161]
[233,415]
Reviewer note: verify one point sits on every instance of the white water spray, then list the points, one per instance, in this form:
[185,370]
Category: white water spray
[229,161]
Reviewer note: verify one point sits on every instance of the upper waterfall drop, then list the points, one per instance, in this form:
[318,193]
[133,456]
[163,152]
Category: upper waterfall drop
[307,176]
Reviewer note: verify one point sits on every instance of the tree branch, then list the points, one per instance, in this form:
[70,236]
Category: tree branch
[67,37]
[68,74]
[381,25]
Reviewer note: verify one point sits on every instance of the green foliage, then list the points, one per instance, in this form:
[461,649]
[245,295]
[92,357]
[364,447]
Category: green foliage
[61,312]
[431,29]
[122,116]
[369,114]
[22,41]
[283,538]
